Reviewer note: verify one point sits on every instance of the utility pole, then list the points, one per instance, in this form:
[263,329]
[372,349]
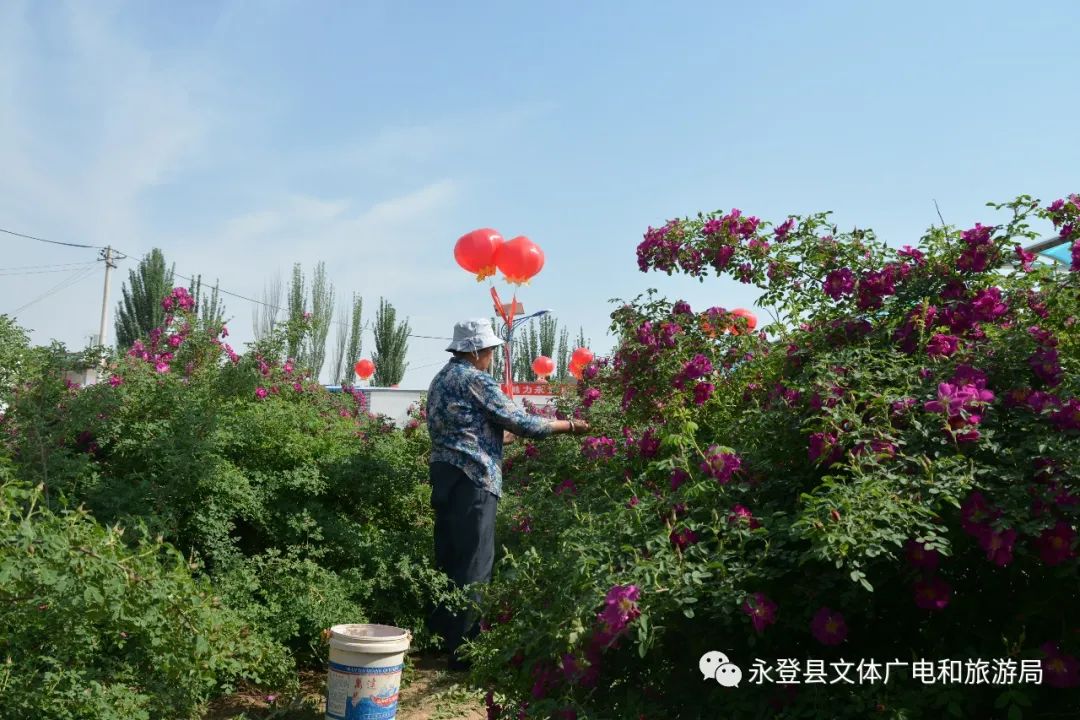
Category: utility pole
[107,256]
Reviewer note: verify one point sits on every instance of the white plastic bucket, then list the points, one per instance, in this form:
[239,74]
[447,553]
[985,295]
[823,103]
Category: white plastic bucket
[365,671]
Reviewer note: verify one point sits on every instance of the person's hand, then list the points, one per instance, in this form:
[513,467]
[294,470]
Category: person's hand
[508,437]
[578,426]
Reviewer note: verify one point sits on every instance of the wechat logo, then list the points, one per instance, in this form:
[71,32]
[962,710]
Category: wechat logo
[716,666]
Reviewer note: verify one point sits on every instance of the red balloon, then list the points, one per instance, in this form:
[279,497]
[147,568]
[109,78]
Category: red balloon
[582,356]
[543,366]
[475,251]
[364,368]
[519,260]
[751,320]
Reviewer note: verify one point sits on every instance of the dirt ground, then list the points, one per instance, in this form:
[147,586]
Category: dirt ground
[429,692]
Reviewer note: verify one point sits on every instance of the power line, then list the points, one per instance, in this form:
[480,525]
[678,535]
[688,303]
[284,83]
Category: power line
[421,367]
[226,292]
[342,323]
[51,242]
[429,337]
[64,268]
[76,277]
[48,265]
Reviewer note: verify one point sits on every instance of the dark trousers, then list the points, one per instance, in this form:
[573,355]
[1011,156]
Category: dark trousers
[464,544]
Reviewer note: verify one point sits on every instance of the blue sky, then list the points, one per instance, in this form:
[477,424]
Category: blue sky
[243,136]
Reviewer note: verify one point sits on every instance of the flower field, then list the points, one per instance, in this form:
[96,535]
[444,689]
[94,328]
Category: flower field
[884,477]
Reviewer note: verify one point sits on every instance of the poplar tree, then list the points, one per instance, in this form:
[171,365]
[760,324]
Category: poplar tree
[140,309]
[391,346]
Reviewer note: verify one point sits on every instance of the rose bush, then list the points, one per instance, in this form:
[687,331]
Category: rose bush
[887,472]
[301,508]
[101,624]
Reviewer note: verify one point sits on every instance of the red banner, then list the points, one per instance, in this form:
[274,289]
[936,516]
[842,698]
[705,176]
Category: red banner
[530,389]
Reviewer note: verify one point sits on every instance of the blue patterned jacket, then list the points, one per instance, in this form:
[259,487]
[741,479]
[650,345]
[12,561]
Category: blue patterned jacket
[467,412]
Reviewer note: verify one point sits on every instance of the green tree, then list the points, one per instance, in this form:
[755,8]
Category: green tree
[498,360]
[265,314]
[349,342]
[530,341]
[210,307]
[391,345]
[582,341]
[549,329]
[525,349]
[140,310]
[297,323]
[15,358]
[322,311]
[562,355]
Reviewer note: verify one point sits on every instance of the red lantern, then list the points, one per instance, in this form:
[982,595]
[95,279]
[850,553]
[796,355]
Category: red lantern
[751,320]
[519,260]
[575,370]
[364,368]
[475,251]
[582,356]
[543,366]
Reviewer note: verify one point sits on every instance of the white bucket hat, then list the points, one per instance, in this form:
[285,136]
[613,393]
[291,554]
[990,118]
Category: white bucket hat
[474,335]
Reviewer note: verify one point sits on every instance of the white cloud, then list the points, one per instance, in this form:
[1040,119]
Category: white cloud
[393,248]
[94,126]
[95,137]
[89,121]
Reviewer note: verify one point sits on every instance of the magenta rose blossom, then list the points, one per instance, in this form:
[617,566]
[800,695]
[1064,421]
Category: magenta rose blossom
[684,538]
[932,593]
[702,392]
[839,283]
[998,545]
[720,464]
[1055,544]
[740,514]
[942,345]
[596,448]
[620,608]
[1045,365]
[922,557]
[828,627]
[566,486]
[699,366]
[1025,258]
[761,609]
[1059,670]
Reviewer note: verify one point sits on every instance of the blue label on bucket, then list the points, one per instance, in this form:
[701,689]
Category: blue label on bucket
[362,693]
[364,670]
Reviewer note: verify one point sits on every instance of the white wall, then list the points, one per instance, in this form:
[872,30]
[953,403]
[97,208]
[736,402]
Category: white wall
[392,402]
